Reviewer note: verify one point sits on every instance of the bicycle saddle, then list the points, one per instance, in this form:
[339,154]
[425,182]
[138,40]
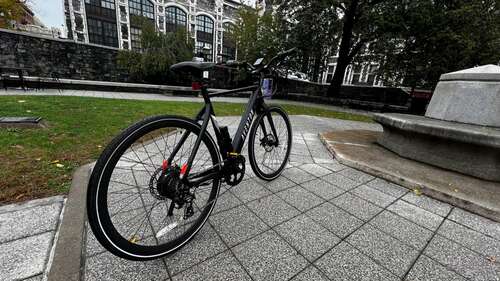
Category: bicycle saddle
[192,66]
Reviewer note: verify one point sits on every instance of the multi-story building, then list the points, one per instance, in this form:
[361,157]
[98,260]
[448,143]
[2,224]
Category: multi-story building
[117,23]
[362,71]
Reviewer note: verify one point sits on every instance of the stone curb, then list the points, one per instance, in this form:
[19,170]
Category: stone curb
[410,183]
[67,260]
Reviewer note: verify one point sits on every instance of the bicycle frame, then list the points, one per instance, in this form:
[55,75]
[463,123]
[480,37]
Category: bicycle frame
[255,105]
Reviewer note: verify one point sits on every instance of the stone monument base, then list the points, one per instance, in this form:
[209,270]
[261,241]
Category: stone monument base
[359,149]
[465,148]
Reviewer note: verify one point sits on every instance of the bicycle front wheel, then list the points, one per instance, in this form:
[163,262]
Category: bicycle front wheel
[138,208]
[270,143]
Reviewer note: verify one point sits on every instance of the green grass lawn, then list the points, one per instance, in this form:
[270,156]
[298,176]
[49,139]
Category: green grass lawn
[39,162]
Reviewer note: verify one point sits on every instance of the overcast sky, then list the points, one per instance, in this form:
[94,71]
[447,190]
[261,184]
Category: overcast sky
[50,12]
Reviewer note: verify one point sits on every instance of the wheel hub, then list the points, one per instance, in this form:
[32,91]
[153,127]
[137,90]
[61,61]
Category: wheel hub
[268,142]
[166,184]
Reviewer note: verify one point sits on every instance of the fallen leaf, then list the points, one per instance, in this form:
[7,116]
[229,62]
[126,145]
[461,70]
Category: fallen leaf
[417,191]
[492,259]
[20,196]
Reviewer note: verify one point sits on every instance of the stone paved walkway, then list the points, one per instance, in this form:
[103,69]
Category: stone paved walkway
[321,221]
[27,233]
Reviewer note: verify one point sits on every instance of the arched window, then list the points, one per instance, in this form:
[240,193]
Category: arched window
[101,22]
[142,8]
[205,36]
[175,18]
[228,43]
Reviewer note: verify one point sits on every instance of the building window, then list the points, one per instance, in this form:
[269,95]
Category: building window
[356,74]
[101,21]
[207,49]
[135,39]
[205,36]
[101,8]
[102,32]
[372,73]
[142,8]
[228,44]
[175,18]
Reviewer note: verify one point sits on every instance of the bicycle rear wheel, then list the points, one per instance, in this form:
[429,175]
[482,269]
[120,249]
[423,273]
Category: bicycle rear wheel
[134,199]
[268,152]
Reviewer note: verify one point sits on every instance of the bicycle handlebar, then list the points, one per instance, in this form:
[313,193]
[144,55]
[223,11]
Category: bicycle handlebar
[281,56]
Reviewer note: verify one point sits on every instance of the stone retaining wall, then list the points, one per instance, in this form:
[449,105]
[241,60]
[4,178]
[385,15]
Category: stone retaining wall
[50,57]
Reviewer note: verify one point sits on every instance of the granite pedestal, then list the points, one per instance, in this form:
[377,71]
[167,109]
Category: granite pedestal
[461,129]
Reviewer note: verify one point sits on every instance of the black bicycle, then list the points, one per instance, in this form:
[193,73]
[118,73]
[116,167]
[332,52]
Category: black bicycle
[155,185]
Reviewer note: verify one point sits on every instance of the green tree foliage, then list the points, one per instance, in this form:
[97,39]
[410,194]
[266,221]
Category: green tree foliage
[313,28]
[10,11]
[423,39]
[159,52]
[257,36]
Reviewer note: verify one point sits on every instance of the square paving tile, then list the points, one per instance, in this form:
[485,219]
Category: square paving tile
[356,206]
[249,190]
[308,237]
[389,252]
[374,196]
[204,245]
[404,230]
[341,181]
[237,224]
[221,267]
[471,239]
[24,257]
[311,273]
[462,260]
[272,209]
[300,198]
[226,200]
[322,188]
[269,257]
[335,219]
[106,266]
[476,222]
[278,184]
[428,204]
[387,187]
[417,215]
[315,169]
[28,222]
[297,175]
[426,269]
[356,175]
[333,166]
[345,263]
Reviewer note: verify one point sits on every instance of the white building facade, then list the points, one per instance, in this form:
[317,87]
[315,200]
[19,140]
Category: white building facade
[117,23]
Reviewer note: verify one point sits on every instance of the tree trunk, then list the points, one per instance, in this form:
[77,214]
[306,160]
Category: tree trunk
[345,45]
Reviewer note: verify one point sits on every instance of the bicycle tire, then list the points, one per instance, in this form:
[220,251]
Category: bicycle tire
[271,175]
[98,213]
